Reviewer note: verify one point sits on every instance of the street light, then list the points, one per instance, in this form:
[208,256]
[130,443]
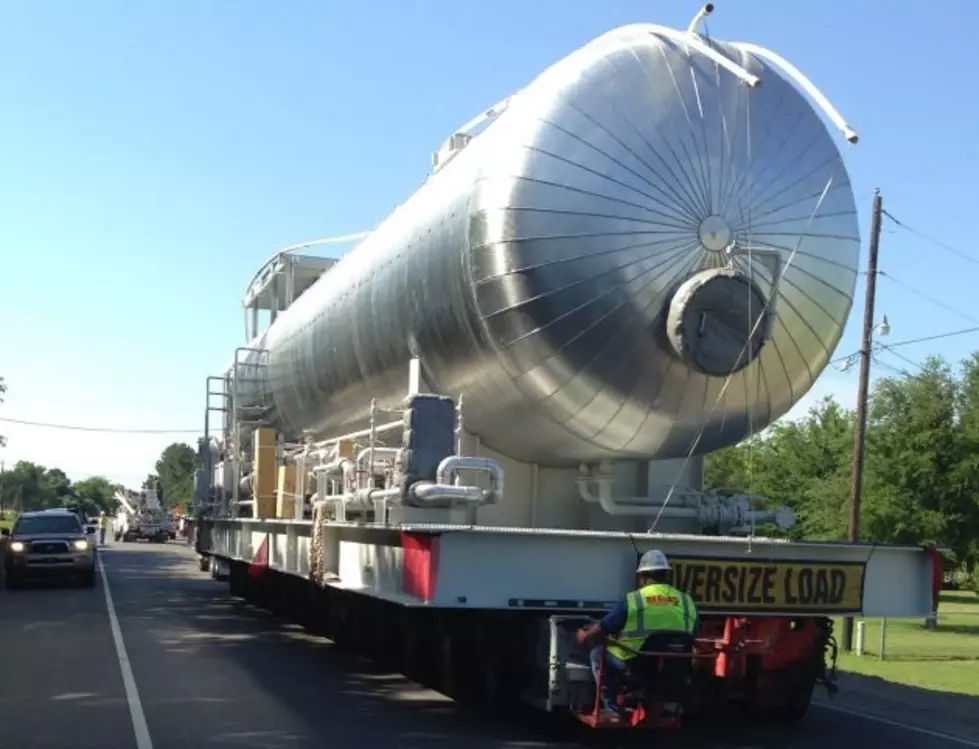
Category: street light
[883,328]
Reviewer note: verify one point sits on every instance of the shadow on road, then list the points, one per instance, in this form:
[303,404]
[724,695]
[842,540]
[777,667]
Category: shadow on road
[237,667]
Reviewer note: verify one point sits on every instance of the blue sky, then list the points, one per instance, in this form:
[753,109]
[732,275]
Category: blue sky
[156,153]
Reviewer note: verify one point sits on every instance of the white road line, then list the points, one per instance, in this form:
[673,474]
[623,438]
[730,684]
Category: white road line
[141,731]
[898,724]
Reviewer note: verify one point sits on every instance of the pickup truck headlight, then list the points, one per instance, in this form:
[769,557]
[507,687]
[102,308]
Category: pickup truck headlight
[17,546]
[81,545]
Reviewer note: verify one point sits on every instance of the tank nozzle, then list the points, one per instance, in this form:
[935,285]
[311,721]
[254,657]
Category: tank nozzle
[701,15]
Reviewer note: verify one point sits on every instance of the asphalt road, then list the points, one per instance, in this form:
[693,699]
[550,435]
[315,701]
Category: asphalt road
[210,671]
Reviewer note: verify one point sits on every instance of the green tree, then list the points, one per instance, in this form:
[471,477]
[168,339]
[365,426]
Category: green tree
[176,468]
[803,464]
[30,489]
[732,467]
[28,486]
[914,445]
[96,494]
[921,474]
[967,473]
[58,486]
[809,463]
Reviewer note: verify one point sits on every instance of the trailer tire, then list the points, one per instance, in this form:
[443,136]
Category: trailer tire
[413,658]
[454,664]
[236,580]
[338,617]
[796,706]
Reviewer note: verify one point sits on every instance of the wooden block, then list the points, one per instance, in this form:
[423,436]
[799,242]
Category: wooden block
[285,496]
[264,466]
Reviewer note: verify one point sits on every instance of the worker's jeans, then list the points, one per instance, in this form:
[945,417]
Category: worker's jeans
[614,670]
[101,536]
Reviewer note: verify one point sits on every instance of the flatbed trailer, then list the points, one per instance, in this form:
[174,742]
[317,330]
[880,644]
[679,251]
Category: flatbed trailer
[449,448]
[487,614]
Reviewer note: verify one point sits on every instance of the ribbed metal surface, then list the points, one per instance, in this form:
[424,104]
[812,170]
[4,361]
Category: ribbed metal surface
[534,273]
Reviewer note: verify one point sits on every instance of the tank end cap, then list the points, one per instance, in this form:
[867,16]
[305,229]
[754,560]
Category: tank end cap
[717,322]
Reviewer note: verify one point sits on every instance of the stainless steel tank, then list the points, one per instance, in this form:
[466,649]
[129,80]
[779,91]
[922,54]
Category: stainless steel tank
[593,272]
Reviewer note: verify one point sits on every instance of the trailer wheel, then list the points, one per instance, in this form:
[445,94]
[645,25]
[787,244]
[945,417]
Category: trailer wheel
[236,580]
[454,663]
[797,705]
[413,658]
[337,615]
[798,698]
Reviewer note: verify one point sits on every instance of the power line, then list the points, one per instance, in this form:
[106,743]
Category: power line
[928,297]
[890,367]
[884,347]
[932,240]
[848,359]
[111,430]
[936,337]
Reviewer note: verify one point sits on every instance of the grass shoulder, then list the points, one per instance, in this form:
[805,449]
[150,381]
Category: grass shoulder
[945,659]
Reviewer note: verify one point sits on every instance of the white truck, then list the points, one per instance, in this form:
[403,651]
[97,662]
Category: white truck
[141,517]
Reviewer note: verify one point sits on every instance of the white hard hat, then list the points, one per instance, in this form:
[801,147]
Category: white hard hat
[652,561]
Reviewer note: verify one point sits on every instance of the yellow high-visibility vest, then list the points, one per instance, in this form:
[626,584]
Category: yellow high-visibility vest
[654,608]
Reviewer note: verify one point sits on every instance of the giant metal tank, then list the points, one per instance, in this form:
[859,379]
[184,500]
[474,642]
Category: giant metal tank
[593,272]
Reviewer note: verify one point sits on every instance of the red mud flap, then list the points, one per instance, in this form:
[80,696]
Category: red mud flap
[260,562]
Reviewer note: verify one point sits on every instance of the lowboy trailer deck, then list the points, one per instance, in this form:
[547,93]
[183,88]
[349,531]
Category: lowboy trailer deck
[487,613]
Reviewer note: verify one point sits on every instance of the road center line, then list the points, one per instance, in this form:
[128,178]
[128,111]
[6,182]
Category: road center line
[898,724]
[140,729]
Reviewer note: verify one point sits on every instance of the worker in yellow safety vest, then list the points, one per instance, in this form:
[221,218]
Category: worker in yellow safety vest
[656,606]
[103,524]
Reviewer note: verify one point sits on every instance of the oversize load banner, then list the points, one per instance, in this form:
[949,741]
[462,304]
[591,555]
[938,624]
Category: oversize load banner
[760,586]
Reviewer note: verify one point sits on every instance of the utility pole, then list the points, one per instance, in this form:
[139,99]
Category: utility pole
[860,428]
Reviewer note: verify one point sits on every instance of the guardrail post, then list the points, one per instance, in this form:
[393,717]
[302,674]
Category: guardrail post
[883,639]
[861,638]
